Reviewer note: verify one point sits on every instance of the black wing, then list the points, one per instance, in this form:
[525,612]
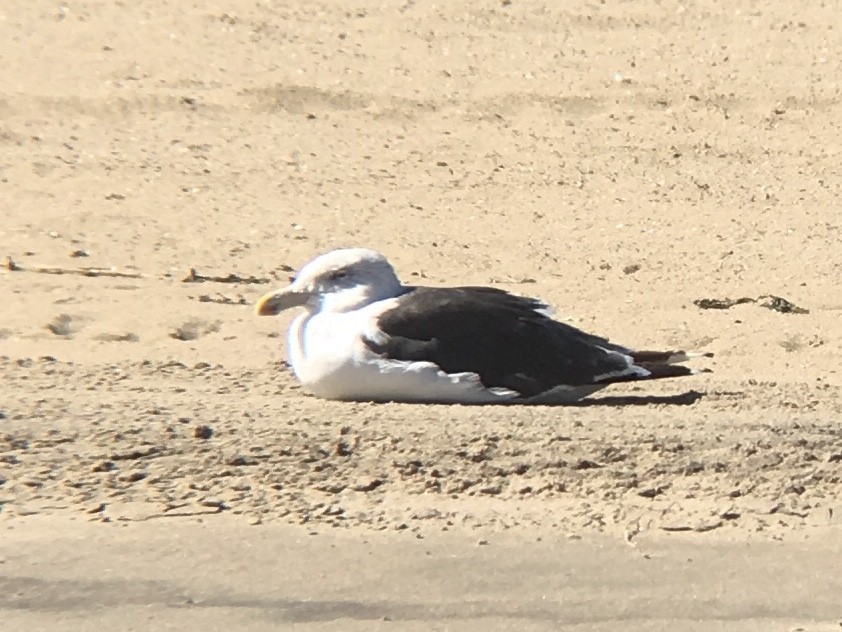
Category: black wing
[501,337]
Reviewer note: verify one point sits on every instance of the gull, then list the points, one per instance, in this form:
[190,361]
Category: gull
[362,335]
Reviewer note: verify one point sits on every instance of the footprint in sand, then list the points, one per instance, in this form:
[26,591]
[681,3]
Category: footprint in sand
[109,337]
[193,329]
[63,325]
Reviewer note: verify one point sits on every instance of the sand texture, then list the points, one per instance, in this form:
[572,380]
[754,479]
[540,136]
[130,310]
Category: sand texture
[665,174]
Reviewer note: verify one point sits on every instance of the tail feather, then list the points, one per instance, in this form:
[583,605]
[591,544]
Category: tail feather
[658,371]
[655,365]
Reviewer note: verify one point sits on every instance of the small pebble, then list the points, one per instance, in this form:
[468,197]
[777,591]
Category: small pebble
[203,432]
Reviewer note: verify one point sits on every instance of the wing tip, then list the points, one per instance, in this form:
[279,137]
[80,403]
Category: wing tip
[668,357]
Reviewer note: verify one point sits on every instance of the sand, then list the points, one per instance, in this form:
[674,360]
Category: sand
[163,164]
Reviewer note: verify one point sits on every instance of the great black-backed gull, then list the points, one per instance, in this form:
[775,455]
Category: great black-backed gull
[364,336]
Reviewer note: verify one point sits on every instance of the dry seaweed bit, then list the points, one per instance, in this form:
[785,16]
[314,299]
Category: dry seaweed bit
[720,303]
[781,305]
[11,266]
[769,301]
[195,277]
[220,299]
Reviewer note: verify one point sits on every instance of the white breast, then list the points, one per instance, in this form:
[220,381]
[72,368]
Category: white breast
[331,360]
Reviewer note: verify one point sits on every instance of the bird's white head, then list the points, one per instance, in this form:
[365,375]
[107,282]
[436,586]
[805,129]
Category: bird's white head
[338,281]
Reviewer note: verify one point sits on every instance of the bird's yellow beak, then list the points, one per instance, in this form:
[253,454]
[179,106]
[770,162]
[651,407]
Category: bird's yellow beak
[273,303]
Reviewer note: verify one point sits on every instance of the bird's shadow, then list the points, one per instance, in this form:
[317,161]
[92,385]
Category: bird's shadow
[687,398]
[681,399]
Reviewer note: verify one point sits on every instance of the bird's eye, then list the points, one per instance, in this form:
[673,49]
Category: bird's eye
[337,274]
[292,279]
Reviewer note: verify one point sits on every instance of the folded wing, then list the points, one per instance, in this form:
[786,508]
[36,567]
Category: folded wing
[508,341]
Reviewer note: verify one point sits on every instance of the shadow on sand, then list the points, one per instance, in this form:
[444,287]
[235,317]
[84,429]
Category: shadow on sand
[681,399]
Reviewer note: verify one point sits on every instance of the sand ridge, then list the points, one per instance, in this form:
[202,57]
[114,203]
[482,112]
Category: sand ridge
[173,440]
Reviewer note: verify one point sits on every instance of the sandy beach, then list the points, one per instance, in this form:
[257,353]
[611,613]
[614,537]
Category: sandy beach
[664,174]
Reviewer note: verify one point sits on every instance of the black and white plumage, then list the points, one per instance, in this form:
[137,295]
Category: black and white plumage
[364,336]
